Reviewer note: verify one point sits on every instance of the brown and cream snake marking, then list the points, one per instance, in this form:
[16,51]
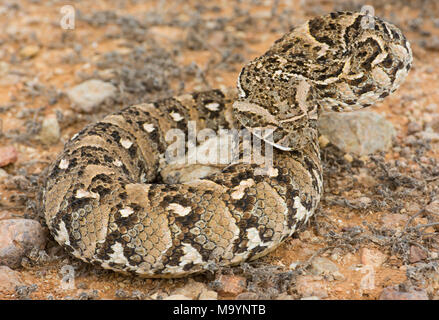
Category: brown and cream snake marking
[112,199]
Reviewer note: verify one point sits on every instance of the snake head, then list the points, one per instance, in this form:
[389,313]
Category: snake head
[342,61]
[370,59]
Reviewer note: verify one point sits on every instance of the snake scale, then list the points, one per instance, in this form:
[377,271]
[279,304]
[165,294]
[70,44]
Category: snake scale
[112,199]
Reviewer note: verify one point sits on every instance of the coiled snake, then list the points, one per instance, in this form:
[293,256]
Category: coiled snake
[111,197]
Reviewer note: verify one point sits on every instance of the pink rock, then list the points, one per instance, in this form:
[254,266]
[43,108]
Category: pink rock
[308,286]
[4,215]
[417,254]
[395,293]
[9,279]
[394,221]
[231,285]
[17,238]
[372,257]
[433,207]
[7,155]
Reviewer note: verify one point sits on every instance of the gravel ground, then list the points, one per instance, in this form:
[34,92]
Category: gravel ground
[375,235]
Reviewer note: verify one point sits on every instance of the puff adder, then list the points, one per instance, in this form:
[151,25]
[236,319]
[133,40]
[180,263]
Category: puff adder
[111,199]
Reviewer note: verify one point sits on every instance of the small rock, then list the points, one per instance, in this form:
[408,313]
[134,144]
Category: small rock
[247,296]
[3,174]
[196,290]
[89,94]
[10,80]
[360,133]
[50,131]
[310,298]
[324,267]
[231,285]
[365,179]
[428,136]
[372,257]
[432,107]
[348,158]
[417,254]
[8,155]
[394,221]
[395,293]
[4,68]
[17,238]
[177,297]
[305,235]
[362,202]
[413,127]
[433,124]
[9,279]
[308,286]
[323,141]
[208,295]
[433,207]
[4,215]
[28,52]
[432,43]
[285,296]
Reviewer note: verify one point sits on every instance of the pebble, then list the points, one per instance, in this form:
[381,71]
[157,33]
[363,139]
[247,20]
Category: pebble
[4,68]
[431,44]
[411,140]
[196,290]
[177,297]
[28,52]
[394,221]
[395,293]
[360,133]
[308,286]
[9,80]
[417,254]
[17,238]
[372,257]
[9,279]
[310,298]
[362,202]
[284,296]
[321,266]
[247,296]
[89,94]
[8,155]
[323,141]
[432,107]
[428,136]
[6,215]
[348,158]
[413,127]
[3,174]
[365,179]
[208,295]
[231,285]
[50,131]
[433,207]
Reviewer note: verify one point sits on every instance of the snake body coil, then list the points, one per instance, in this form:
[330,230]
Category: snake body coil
[111,198]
